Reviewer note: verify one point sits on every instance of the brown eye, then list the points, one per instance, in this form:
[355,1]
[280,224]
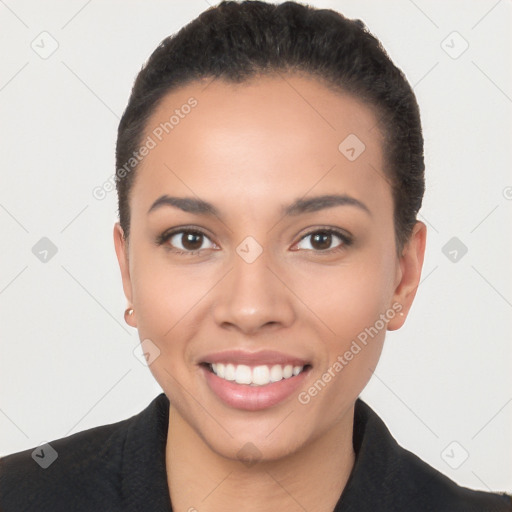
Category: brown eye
[191,241]
[186,241]
[323,240]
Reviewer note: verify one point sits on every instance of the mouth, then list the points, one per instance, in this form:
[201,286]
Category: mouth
[253,381]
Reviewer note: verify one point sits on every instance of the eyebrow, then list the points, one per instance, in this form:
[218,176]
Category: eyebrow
[298,207]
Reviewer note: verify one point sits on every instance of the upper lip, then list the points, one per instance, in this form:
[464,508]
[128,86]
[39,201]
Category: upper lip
[262,357]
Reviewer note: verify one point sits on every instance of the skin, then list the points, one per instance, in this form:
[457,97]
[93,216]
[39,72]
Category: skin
[249,149]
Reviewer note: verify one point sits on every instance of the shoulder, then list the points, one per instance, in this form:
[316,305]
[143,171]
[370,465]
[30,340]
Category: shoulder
[431,490]
[388,477]
[62,471]
[81,472]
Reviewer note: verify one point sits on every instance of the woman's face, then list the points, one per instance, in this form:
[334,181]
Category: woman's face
[273,278]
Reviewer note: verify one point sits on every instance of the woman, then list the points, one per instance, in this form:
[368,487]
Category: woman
[269,174]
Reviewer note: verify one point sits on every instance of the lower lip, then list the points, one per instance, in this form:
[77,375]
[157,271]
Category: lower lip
[253,398]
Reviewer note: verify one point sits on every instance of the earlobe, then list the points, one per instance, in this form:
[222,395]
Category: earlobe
[121,248]
[411,264]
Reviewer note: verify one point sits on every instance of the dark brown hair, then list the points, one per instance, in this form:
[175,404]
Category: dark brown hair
[237,41]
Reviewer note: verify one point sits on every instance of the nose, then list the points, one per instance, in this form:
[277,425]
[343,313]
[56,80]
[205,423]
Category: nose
[253,296]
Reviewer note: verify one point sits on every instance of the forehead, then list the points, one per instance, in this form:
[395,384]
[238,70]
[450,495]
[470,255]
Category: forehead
[272,136]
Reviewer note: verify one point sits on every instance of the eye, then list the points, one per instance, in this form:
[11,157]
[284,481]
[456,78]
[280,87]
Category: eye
[322,240]
[185,241]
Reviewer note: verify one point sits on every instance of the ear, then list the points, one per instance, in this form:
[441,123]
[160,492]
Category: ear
[409,274]
[121,246]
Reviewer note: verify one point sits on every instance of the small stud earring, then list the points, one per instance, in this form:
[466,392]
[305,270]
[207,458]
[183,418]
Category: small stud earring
[127,313]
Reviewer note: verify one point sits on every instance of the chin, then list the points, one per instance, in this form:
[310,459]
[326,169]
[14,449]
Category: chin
[258,449]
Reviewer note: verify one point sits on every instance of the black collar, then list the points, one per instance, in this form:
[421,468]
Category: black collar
[385,476]
[143,471]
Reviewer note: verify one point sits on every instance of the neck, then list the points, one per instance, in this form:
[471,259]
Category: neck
[312,478]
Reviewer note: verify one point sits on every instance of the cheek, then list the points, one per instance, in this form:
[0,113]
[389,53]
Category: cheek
[347,298]
[164,293]
[353,303]
[167,301]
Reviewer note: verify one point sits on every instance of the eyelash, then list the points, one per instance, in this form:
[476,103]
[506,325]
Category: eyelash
[346,240]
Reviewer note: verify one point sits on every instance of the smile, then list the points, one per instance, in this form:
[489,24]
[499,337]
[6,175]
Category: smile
[256,376]
[254,381]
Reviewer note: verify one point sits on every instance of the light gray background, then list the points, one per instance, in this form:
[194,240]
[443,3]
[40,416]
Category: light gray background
[67,360]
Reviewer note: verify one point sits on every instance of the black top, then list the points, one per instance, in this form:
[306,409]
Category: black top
[121,467]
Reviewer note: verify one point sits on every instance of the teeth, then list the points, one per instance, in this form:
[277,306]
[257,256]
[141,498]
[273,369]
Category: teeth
[221,370]
[243,374]
[230,372]
[276,373]
[260,375]
[256,376]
